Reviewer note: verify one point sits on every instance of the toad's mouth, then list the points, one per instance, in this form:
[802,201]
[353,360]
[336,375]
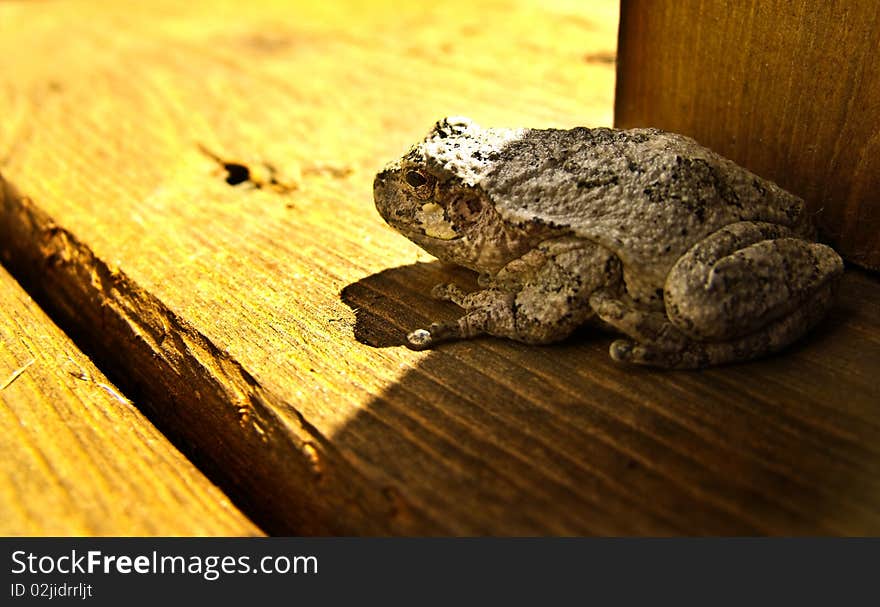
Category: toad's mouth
[454,239]
[420,235]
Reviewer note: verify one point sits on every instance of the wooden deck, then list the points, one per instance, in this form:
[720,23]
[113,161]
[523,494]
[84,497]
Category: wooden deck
[78,457]
[258,325]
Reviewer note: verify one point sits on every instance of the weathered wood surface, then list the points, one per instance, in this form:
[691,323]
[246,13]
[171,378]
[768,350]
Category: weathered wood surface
[260,324]
[788,89]
[77,457]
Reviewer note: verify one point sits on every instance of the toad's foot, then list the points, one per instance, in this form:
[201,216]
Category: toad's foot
[656,342]
[420,339]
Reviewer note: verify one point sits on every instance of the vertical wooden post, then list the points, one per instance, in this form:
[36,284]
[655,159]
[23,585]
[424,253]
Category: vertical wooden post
[788,88]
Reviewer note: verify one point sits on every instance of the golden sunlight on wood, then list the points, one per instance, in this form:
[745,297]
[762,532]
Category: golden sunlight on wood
[188,186]
[78,458]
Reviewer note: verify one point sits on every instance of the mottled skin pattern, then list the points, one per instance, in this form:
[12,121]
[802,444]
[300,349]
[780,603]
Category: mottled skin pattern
[695,260]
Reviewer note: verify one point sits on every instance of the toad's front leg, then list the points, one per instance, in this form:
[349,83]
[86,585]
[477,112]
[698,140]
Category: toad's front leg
[488,311]
[539,298]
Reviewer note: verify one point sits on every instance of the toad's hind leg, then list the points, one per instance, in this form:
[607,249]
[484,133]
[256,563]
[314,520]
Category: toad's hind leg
[744,277]
[657,342]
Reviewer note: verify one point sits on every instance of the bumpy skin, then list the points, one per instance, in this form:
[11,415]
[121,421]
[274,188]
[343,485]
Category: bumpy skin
[695,260]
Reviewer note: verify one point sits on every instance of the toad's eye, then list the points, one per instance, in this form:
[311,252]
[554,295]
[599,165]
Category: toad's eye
[421,183]
[415,179]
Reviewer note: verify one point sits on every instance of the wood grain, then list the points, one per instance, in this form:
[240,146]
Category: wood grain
[790,90]
[78,457]
[259,324]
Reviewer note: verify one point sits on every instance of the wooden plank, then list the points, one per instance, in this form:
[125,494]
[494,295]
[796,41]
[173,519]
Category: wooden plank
[78,457]
[261,325]
[790,90]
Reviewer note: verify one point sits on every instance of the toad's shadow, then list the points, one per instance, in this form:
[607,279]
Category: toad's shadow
[493,436]
[390,303]
[393,302]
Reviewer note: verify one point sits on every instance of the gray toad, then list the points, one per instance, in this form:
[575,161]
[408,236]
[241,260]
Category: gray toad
[695,260]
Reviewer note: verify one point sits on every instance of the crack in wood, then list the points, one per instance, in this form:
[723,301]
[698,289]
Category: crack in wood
[16,374]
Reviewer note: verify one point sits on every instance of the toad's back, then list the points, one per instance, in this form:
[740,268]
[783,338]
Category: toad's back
[645,194]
